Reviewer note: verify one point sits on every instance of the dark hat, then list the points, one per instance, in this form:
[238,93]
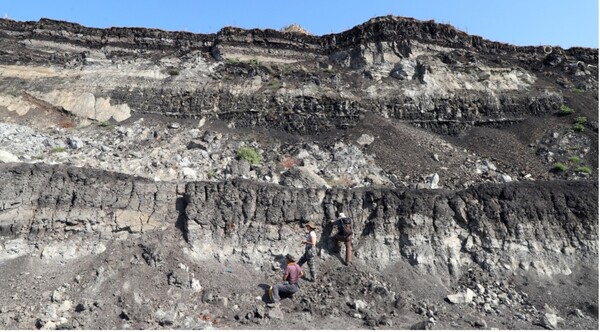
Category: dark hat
[311,225]
[290,258]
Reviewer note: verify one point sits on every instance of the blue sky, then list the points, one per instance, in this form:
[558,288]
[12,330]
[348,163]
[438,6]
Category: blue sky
[565,23]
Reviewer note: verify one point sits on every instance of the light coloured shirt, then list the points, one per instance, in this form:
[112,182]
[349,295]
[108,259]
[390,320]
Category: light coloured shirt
[311,238]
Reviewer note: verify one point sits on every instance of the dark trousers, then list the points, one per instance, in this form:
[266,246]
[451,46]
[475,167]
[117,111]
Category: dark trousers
[348,242]
[309,257]
[284,288]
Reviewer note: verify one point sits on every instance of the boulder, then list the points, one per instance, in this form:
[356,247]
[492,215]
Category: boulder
[195,285]
[550,321]
[222,301]
[275,313]
[197,144]
[365,139]
[578,313]
[504,178]
[480,289]
[75,143]
[462,297]
[188,173]
[423,325]
[302,177]
[239,167]
[359,305]
[7,157]
[434,181]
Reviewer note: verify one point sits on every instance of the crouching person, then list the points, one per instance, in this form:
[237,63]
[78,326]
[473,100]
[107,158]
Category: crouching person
[289,286]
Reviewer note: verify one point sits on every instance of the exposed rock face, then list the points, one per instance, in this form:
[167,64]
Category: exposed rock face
[164,174]
[449,81]
[547,227]
[428,75]
[499,227]
[43,204]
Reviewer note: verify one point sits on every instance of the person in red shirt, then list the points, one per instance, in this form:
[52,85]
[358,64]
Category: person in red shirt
[292,274]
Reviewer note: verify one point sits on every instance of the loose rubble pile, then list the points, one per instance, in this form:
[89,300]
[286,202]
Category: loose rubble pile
[189,153]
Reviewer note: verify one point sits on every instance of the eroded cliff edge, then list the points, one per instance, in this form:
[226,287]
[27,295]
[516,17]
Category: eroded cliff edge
[547,226]
[429,74]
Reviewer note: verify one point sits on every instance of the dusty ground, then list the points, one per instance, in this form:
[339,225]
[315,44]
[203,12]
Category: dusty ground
[140,283]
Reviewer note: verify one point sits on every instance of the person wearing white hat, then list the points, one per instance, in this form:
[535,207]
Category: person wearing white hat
[344,234]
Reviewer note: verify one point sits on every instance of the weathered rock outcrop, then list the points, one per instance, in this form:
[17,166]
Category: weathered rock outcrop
[468,166]
[547,226]
[73,210]
[425,73]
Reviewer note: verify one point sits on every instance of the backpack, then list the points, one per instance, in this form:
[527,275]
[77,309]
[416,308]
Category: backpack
[346,226]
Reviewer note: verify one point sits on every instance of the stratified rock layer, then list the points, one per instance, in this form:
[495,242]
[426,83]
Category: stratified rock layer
[425,73]
[547,226]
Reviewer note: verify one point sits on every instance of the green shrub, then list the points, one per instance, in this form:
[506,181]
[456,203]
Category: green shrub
[58,149]
[104,123]
[211,174]
[560,167]
[578,127]
[565,110]
[254,62]
[575,160]
[582,120]
[250,155]
[584,169]
[232,61]
[274,85]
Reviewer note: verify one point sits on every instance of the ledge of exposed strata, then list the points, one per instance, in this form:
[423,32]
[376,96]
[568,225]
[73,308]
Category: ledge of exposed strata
[386,28]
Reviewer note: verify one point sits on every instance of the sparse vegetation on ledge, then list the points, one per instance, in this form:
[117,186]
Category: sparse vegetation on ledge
[560,167]
[250,155]
[584,169]
[565,110]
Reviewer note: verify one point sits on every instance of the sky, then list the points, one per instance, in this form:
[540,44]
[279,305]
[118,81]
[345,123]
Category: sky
[564,23]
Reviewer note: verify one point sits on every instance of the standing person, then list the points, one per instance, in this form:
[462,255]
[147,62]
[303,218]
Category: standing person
[310,250]
[344,234]
[289,286]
